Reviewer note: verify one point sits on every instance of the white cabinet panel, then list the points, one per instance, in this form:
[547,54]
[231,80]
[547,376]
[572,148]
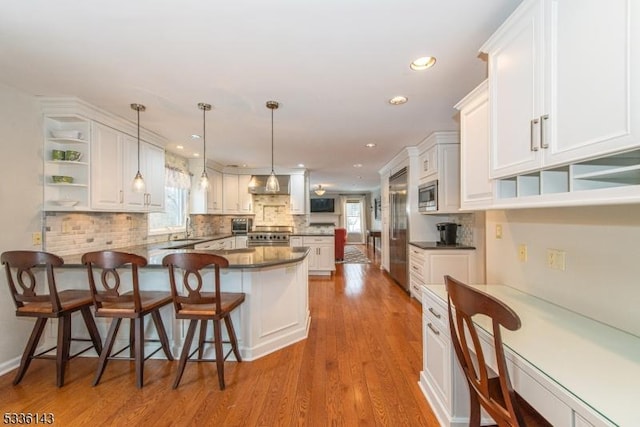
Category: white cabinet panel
[321,254]
[476,188]
[550,101]
[299,194]
[236,196]
[107,147]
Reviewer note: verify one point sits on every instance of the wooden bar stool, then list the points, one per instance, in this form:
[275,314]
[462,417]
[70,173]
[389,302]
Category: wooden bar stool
[134,305]
[494,394]
[61,305]
[196,305]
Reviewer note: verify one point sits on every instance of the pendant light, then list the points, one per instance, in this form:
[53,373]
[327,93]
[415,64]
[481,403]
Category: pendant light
[273,186]
[319,191]
[204,178]
[138,182]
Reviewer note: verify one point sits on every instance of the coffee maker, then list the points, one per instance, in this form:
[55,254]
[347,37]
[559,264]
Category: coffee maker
[448,233]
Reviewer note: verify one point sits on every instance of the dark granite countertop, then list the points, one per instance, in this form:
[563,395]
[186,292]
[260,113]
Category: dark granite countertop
[253,257]
[438,245]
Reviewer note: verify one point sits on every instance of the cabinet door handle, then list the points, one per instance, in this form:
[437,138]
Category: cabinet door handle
[425,165]
[435,331]
[534,123]
[432,311]
[544,120]
[121,196]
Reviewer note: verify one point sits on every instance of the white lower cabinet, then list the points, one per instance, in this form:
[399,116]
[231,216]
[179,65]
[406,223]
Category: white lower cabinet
[321,256]
[241,242]
[429,266]
[444,385]
[441,379]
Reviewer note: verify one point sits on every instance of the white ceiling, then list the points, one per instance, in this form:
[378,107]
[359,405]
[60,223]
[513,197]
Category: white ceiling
[332,65]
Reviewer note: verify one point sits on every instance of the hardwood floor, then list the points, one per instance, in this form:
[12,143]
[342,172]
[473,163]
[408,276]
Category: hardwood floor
[359,366]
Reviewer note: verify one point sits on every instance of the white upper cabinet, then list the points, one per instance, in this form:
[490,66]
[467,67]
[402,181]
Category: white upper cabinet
[299,194]
[153,171]
[245,199]
[476,188]
[563,83]
[114,163]
[107,150]
[236,196]
[105,162]
[209,200]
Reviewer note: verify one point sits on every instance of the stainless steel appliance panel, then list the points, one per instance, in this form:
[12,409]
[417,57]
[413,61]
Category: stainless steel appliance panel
[398,228]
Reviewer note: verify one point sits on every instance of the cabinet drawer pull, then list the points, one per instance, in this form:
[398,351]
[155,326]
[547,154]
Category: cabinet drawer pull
[432,311]
[532,139]
[544,120]
[435,331]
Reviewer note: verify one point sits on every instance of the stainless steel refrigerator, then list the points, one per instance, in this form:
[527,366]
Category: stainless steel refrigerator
[398,228]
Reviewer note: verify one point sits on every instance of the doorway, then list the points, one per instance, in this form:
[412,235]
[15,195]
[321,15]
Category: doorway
[354,219]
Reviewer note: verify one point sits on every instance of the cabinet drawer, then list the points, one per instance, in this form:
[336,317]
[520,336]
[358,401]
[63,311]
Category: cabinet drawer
[416,288]
[415,253]
[416,270]
[318,240]
[435,312]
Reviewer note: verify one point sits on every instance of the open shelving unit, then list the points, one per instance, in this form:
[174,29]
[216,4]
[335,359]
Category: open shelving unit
[573,182]
[66,196]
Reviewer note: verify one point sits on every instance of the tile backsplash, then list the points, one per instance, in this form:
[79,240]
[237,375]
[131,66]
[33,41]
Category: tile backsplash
[72,233]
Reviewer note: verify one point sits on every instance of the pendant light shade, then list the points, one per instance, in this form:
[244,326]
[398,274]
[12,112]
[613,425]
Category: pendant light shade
[273,186]
[204,178]
[138,182]
[319,190]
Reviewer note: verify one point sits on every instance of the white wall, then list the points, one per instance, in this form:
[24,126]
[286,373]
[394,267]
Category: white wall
[21,198]
[602,276]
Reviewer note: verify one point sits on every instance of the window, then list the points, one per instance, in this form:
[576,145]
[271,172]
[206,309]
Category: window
[176,203]
[354,216]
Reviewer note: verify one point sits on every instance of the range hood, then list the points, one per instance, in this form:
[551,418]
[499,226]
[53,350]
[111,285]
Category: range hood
[258,184]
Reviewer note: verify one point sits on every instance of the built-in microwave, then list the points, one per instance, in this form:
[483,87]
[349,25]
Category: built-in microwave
[428,197]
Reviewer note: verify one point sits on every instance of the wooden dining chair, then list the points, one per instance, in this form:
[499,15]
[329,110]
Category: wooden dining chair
[30,302]
[110,301]
[493,393]
[193,303]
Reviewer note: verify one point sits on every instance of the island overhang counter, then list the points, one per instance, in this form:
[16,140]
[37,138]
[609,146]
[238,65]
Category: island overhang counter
[275,313]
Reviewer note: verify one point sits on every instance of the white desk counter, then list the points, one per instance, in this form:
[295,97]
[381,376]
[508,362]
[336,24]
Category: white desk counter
[591,368]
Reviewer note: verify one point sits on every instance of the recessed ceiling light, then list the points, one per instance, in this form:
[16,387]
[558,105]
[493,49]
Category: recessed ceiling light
[370,145]
[300,165]
[357,165]
[398,100]
[179,147]
[423,63]
[195,136]
[196,154]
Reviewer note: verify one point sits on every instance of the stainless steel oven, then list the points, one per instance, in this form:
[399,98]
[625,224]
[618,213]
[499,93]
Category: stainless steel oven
[277,235]
[428,197]
[241,225]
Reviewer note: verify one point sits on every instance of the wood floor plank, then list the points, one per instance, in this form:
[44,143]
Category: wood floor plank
[359,365]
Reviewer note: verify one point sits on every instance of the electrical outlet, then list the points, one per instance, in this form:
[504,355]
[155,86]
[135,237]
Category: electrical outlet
[498,231]
[556,259]
[522,253]
[36,238]
[66,226]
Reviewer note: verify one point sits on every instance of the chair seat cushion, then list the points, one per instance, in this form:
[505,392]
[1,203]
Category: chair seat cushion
[228,300]
[149,301]
[70,300]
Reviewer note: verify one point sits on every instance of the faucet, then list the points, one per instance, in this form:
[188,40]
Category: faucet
[187,225]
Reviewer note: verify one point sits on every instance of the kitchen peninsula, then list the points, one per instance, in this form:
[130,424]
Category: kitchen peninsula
[275,313]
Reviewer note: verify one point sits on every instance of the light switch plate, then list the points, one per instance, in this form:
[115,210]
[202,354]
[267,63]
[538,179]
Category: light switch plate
[498,231]
[36,238]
